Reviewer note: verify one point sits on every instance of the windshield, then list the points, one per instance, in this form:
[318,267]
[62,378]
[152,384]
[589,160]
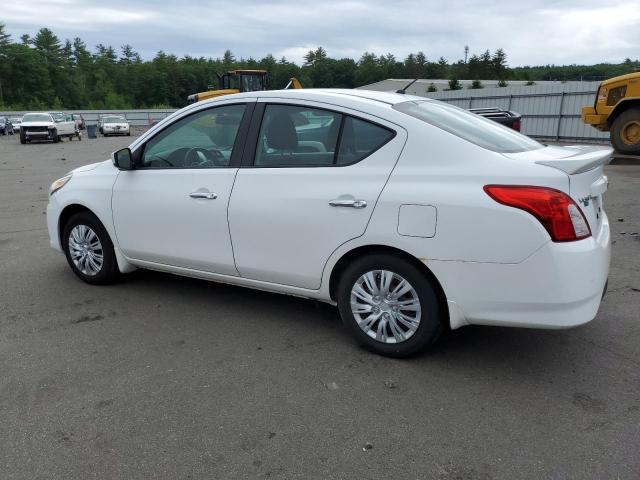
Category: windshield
[36,117]
[469,126]
[15,120]
[114,120]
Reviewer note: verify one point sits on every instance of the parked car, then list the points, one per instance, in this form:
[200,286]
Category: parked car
[6,127]
[16,122]
[508,118]
[410,214]
[115,125]
[47,126]
[79,119]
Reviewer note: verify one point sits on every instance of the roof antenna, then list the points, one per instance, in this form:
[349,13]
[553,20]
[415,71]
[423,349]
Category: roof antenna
[404,90]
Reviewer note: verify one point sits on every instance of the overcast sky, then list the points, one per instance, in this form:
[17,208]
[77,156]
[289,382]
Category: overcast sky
[532,32]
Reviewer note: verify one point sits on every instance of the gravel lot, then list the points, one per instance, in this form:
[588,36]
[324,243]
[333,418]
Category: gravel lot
[171,378]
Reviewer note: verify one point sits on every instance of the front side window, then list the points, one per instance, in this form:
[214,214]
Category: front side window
[299,136]
[469,126]
[202,140]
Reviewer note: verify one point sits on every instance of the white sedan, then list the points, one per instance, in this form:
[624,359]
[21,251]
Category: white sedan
[412,215]
[115,125]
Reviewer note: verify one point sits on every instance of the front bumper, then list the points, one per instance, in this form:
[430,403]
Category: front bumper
[590,117]
[53,214]
[113,131]
[560,286]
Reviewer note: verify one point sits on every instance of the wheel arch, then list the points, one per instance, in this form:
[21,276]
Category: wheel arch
[621,107]
[365,250]
[70,210]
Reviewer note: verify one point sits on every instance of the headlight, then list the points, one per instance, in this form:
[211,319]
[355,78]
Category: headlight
[58,184]
[51,127]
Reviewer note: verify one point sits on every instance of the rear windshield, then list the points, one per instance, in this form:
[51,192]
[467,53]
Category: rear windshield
[469,126]
[36,117]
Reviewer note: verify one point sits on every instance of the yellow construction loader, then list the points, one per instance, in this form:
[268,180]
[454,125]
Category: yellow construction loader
[236,81]
[617,110]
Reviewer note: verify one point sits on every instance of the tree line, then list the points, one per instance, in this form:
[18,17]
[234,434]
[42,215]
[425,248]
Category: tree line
[43,72]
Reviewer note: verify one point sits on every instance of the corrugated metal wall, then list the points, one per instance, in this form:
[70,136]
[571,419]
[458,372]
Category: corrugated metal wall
[550,110]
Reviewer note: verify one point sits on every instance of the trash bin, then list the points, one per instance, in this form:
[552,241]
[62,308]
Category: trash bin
[91,131]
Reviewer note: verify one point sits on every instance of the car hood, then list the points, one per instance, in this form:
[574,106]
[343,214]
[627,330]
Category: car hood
[93,166]
[36,124]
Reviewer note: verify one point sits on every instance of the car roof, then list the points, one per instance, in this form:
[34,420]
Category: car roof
[361,96]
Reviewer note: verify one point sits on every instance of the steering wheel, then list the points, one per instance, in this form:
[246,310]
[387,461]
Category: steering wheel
[199,157]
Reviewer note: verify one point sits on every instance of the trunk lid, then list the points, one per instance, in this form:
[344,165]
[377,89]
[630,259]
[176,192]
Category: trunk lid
[584,165]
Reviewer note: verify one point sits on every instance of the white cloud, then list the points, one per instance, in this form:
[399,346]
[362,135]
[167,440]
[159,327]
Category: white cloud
[530,31]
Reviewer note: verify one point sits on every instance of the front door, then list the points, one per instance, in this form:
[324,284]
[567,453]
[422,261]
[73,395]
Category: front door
[312,185]
[172,209]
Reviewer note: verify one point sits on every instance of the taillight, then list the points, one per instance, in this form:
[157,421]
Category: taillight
[557,212]
[516,125]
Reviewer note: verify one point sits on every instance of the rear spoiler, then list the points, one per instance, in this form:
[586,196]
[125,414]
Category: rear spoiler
[584,159]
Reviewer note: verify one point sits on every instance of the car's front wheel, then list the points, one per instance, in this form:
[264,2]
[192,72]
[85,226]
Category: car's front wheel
[389,305]
[89,249]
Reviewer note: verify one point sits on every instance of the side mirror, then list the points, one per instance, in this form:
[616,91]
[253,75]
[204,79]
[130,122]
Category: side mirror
[123,159]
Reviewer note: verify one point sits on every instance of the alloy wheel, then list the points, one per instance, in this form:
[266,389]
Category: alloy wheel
[85,250]
[385,306]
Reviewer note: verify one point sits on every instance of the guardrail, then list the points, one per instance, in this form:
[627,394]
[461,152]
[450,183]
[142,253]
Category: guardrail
[142,117]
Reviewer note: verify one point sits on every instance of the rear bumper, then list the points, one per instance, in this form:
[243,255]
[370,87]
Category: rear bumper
[559,286]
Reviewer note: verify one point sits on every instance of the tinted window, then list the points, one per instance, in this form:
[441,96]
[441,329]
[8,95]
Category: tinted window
[359,139]
[469,126]
[202,140]
[298,136]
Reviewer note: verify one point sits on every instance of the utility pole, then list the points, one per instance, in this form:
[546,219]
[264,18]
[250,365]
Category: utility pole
[466,53]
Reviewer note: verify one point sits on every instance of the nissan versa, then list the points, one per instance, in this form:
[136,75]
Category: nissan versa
[410,214]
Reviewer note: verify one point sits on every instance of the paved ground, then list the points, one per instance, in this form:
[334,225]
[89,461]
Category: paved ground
[170,378]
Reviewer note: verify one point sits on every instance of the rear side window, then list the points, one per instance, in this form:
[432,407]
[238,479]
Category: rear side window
[300,136]
[469,126]
[359,139]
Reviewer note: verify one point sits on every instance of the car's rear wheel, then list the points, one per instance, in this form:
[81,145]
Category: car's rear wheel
[89,249]
[389,305]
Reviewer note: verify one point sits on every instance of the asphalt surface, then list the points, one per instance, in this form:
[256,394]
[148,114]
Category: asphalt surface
[163,377]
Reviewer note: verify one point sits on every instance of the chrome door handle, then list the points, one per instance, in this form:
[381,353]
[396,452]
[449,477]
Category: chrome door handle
[205,195]
[348,203]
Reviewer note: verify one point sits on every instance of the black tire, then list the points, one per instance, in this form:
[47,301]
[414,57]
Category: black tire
[617,135]
[23,139]
[431,324]
[109,272]
[55,137]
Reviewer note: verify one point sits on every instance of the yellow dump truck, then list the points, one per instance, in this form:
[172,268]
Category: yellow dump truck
[617,110]
[236,81]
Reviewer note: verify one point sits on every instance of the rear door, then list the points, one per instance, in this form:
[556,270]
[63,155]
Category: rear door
[309,183]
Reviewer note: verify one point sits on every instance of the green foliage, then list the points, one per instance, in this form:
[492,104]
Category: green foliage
[502,83]
[454,84]
[476,84]
[43,72]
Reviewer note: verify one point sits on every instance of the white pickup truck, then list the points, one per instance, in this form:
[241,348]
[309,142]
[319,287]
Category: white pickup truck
[48,126]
